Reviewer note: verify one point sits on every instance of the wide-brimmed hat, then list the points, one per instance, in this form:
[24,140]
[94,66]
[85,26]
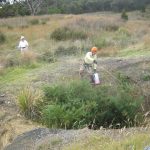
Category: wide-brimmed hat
[22,37]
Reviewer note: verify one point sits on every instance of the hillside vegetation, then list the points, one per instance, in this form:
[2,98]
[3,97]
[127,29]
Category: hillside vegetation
[36,7]
[44,85]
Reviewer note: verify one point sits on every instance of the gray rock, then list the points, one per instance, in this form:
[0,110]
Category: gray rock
[28,140]
[147,148]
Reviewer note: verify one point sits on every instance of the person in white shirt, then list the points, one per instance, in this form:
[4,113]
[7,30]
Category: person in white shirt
[23,44]
[90,62]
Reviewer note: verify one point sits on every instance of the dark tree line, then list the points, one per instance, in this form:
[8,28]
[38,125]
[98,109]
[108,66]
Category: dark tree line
[16,9]
[36,7]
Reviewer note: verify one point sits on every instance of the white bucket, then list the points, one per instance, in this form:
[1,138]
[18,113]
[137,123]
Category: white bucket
[96,78]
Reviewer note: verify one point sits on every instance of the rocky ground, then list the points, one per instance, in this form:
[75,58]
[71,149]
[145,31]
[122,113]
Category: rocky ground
[13,124]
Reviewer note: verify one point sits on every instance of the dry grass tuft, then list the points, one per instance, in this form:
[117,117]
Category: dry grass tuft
[147,41]
[28,57]
[109,51]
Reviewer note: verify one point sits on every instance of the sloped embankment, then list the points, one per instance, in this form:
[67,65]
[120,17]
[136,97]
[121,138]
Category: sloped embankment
[135,69]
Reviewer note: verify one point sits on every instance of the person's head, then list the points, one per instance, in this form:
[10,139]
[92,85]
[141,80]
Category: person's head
[94,50]
[22,38]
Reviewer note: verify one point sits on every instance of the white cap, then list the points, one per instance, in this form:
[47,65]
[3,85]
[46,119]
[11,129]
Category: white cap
[22,37]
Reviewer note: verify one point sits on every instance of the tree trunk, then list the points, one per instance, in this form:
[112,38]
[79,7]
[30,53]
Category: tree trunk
[34,6]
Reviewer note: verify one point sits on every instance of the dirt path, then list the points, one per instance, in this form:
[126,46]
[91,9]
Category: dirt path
[13,124]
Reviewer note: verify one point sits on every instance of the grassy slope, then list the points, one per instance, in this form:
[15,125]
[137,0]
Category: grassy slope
[14,78]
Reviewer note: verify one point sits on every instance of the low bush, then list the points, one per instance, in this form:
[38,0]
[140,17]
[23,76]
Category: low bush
[53,10]
[2,38]
[124,15]
[11,60]
[146,77]
[48,56]
[34,22]
[100,42]
[112,27]
[61,50]
[67,34]
[43,22]
[2,70]
[78,104]
[53,116]
[28,58]
[10,27]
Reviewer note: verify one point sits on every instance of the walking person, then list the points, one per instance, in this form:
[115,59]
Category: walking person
[23,45]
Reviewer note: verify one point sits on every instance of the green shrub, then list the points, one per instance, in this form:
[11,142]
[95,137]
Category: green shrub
[112,27]
[48,56]
[2,38]
[10,27]
[146,77]
[67,34]
[53,10]
[81,104]
[61,50]
[53,116]
[34,22]
[43,22]
[100,42]
[124,15]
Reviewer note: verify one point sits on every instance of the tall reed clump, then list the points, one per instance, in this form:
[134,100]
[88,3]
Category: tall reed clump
[78,104]
[28,59]
[29,100]
[10,60]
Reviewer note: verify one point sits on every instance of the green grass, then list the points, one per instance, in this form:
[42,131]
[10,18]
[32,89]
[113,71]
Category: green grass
[13,74]
[95,142]
[51,144]
[16,76]
[138,50]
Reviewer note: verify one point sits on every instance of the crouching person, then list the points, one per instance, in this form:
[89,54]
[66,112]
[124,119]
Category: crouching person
[90,63]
